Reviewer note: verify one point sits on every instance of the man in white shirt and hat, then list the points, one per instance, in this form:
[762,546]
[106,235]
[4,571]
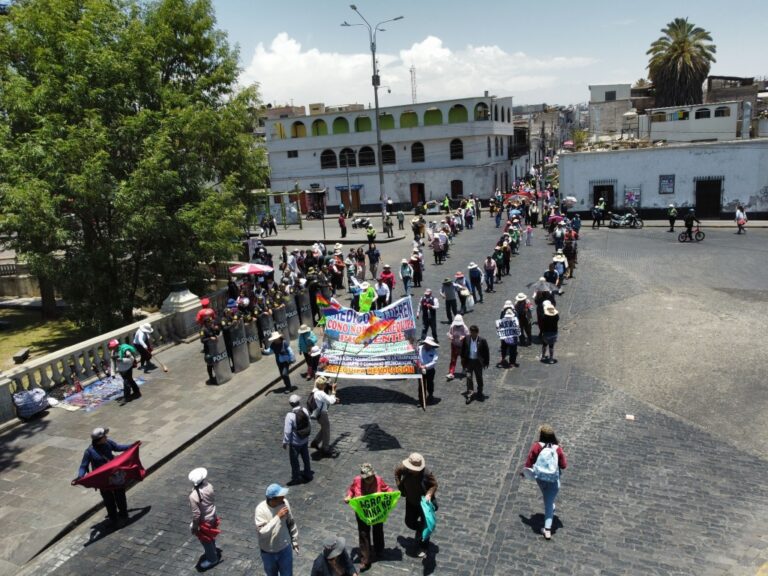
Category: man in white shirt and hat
[205,522]
[142,341]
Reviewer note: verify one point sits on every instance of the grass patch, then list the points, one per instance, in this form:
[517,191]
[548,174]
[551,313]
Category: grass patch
[26,329]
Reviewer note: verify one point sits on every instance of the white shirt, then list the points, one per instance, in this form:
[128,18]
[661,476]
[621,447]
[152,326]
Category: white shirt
[473,349]
[323,400]
[382,289]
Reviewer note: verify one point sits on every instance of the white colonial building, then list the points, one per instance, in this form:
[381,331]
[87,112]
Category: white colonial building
[456,147]
[711,177]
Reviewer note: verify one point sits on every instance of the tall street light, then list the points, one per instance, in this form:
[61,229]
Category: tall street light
[376,81]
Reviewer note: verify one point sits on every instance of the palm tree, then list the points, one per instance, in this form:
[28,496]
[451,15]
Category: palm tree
[680,63]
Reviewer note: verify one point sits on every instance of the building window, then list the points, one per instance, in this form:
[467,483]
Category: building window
[298,130]
[677,115]
[457,149]
[702,113]
[347,158]
[496,146]
[328,159]
[387,121]
[658,117]
[457,114]
[496,113]
[482,112]
[366,156]
[409,119]
[417,152]
[722,112]
[388,154]
[340,126]
[319,128]
[433,117]
[362,124]
[489,146]
[610,96]
[293,153]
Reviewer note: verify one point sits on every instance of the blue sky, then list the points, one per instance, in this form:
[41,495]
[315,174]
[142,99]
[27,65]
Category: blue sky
[534,51]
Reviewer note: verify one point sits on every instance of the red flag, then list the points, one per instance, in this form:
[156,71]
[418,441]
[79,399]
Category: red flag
[116,473]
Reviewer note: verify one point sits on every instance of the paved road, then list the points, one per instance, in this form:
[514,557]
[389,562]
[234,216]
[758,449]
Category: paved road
[651,328]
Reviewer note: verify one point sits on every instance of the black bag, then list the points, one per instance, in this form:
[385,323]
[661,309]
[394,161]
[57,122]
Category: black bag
[303,424]
[312,404]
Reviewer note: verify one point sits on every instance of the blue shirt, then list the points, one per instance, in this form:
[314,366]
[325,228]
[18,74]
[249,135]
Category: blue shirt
[427,357]
[99,454]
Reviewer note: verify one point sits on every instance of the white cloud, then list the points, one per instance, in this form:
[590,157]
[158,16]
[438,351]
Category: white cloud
[287,72]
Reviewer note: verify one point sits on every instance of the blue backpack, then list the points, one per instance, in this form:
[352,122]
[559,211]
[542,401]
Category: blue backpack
[547,466]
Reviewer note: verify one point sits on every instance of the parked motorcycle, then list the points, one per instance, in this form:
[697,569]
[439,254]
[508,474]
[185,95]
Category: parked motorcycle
[314,215]
[628,220]
[361,223]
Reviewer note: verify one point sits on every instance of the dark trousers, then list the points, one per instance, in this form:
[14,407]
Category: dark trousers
[283,368]
[451,309]
[130,388]
[672,224]
[427,323]
[294,453]
[115,502]
[429,384]
[400,225]
[525,331]
[509,350]
[414,519]
[489,280]
[146,356]
[364,539]
[474,368]
[343,231]
[477,287]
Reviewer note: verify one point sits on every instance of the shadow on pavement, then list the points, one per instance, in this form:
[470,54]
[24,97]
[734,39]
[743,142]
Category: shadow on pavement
[31,427]
[536,523]
[374,394]
[377,439]
[106,527]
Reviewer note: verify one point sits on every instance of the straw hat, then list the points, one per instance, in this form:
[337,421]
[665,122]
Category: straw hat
[520,297]
[507,304]
[303,329]
[472,265]
[364,286]
[415,462]
[315,351]
[429,341]
[550,310]
[275,336]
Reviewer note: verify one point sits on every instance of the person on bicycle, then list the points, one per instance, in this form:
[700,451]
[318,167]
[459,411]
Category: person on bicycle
[689,219]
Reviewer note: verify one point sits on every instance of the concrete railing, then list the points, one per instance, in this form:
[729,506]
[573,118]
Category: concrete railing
[84,360]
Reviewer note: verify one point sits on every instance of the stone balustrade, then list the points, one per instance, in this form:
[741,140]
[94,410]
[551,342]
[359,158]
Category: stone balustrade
[85,360]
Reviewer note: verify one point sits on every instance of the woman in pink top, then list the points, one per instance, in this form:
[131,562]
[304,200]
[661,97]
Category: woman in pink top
[368,482]
[457,332]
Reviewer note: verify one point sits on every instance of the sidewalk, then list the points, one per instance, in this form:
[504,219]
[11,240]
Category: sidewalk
[38,459]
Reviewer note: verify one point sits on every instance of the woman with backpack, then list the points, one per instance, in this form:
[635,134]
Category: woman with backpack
[545,461]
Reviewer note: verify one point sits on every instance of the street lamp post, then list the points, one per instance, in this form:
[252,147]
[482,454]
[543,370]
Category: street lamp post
[376,81]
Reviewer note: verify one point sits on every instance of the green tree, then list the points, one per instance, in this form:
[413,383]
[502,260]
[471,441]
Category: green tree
[128,150]
[680,62]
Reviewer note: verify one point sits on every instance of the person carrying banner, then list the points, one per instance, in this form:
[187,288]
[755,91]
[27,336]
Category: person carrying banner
[509,334]
[427,361]
[97,454]
[368,482]
[476,357]
[323,399]
[415,481]
[428,307]
[124,358]
[205,523]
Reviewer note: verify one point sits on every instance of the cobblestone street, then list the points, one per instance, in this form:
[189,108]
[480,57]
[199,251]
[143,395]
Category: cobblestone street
[649,327]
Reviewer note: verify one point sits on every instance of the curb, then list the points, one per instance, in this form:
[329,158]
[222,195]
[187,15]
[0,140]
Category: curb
[165,459]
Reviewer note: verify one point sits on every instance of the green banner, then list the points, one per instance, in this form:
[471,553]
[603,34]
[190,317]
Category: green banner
[374,508]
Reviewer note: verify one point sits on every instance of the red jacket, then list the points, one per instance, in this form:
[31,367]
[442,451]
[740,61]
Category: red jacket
[534,453]
[389,279]
[356,488]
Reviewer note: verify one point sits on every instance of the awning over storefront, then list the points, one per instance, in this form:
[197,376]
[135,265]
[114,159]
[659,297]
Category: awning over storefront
[707,178]
[352,187]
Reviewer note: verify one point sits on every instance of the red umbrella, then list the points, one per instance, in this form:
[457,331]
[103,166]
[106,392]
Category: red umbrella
[247,268]
[554,218]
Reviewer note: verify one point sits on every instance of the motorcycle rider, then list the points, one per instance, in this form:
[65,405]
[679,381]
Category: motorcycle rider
[689,219]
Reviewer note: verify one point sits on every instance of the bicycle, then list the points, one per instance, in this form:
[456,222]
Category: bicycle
[696,234]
